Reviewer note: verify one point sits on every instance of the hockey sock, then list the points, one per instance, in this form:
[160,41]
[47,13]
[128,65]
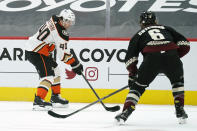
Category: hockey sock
[56,89]
[129,104]
[43,88]
[178,93]
[42,92]
[56,86]
[132,99]
[179,100]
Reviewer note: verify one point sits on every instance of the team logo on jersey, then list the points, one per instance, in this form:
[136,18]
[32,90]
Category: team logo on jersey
[64,32]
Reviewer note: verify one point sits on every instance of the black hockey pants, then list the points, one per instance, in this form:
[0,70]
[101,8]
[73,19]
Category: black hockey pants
[43,64]
[167,62]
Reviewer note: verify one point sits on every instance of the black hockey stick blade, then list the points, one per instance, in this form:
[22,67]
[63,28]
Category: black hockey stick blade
[52,113]
[112,109]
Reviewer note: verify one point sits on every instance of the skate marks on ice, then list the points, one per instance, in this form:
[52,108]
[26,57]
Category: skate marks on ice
[18,116]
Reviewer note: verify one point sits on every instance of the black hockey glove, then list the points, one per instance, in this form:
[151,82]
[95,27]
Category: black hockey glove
[78,69]
[132,68]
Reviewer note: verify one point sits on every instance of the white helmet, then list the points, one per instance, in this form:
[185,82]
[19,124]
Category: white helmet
[68,15]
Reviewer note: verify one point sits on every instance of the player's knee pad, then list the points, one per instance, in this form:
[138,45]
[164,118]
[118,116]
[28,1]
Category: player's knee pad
[50,79]
[46,82]
[57,76]
[56,80]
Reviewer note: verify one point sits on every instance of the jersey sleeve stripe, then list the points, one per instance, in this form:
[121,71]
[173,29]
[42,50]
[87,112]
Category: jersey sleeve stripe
[39,47]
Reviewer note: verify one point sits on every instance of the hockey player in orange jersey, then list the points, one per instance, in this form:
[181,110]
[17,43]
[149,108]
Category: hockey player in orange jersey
[51,35]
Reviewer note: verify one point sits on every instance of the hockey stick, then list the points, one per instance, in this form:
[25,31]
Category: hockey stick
[99,100]
[112,109]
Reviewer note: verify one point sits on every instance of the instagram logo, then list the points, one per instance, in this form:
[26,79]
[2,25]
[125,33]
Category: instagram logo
[91,73]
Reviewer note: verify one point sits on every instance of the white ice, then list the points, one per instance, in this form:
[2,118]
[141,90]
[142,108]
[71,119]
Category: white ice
[18,116]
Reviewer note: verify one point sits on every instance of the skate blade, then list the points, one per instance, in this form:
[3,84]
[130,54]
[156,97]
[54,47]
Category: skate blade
[182,121]
[58,105]
[39,108]
[119,122]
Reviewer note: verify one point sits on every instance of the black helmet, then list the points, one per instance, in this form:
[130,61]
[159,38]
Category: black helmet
[147,18]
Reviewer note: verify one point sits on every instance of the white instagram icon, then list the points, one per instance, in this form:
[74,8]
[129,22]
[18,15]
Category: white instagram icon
[91,73]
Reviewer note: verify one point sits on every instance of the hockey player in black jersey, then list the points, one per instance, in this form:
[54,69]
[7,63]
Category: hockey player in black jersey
[161,47]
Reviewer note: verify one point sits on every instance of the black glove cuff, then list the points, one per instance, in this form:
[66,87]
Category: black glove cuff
[75,66]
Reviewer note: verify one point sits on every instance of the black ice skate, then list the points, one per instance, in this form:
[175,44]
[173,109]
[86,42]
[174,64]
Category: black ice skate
[40,105]
[123,116]
[57,101]
[180,114]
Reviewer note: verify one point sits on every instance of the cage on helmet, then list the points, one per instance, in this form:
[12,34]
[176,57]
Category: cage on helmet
[147,18]
[68,15]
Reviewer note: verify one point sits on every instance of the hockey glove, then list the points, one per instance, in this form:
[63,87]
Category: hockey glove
[78,69]
[132,68]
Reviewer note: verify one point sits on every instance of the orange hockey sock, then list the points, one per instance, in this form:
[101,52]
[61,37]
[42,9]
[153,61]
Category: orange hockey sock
[56,89]
[42,92]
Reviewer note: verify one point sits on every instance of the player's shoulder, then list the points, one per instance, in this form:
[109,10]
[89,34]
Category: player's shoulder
[62,32]
[135,37]
[168,27]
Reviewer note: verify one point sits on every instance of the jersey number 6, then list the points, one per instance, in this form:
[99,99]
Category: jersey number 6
[156,34]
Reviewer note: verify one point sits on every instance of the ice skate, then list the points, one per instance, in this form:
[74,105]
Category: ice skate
[123,116]
[40,105]
[58,102]
[181,115]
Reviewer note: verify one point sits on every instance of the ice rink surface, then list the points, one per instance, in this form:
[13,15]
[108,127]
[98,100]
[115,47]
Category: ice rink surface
[18,116]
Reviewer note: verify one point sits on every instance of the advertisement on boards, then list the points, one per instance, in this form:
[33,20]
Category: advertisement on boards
[102,60]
